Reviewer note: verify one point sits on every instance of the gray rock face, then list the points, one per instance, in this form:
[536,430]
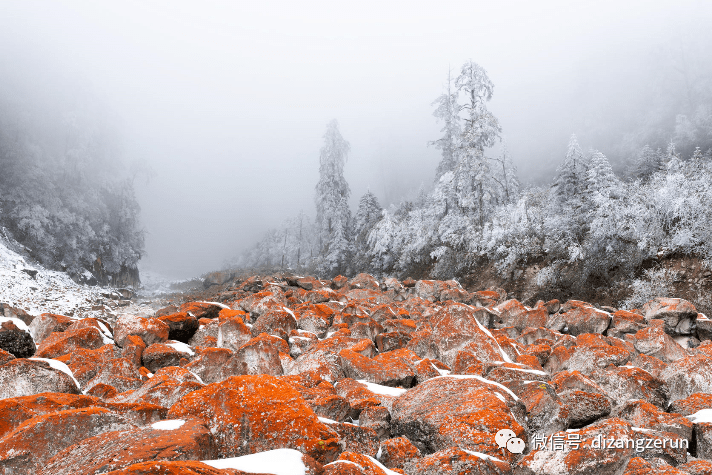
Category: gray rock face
[679,315]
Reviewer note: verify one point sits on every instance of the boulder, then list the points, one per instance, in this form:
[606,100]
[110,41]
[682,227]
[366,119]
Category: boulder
[275,322]
[232,332]
[584,407]
[48,323]
[59,344]
[653,341]
[15,340]
[388,369]
[169,440]
[679,315]
[164,388]
[251,414]
[170,353]
[202,309]
[31,445]
[456,461]
[150,330]
[688,376]
[396,452]
[624,383]
[181,326]
[465,411]
[586,319]
[24,377]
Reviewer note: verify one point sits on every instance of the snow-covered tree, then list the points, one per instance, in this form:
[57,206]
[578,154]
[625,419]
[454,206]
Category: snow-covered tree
[368,214]
[647,162]
[333,217]
[570,179]
[447,111]
[505,174]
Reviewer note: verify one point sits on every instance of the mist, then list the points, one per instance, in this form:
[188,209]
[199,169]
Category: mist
[227,102]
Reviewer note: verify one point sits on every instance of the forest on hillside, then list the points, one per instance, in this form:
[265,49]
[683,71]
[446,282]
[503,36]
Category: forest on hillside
[588,227]
[66,196]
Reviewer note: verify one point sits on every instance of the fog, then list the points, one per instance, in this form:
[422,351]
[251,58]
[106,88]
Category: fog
[227,102]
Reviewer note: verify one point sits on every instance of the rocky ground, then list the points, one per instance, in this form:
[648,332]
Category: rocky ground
[291,375]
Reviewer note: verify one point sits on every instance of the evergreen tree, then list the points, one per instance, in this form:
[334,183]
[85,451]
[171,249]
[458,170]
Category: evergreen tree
[333,217]
[570,180]
[647,162]
[505,174]
[368,214]
[447,111]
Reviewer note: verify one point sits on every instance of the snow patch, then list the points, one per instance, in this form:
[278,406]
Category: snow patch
[18,323]
[482,456]
[703,416]
[383,390]
[180,346]
[170,424]
[277,462]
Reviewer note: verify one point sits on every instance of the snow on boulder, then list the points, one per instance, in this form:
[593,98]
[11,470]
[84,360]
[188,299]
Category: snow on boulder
[24,377]
[169,353]
[251,414]
[276,462]
[15,338]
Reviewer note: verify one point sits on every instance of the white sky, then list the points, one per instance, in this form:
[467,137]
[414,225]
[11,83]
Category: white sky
[228,100]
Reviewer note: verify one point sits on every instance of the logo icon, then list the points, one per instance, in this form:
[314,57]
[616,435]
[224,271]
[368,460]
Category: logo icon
[507,439]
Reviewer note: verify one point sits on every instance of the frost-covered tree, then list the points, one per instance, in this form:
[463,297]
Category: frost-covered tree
[447,111]
[647,162]
[570,179]
[505,174]
[473,182]
[333,217]
[368,214]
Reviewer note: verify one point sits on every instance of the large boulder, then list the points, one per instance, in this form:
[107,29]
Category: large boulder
[30,446]
[165,440]
[181,326]
[24,377]
[251,414]
[679,315]
[15,338]
[60,344]
[150,330]
[689,375]
[457,411]
[48,323]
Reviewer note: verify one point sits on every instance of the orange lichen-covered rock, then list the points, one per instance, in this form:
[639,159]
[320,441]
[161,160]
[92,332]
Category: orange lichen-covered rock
[58,344]
[392,340]
[386,371]
[640,466]
[251,414]
[167,440]
[139,413]
[178,467]
[35,441]
[456,327]
[696,467]
[48,323]
[161,355]
[5,357]
[232,332]
[213,364]
[678,315]
[14,411]
[621,384]
[355,438]
[624,322]
[133,350]
[586,455]
[202,309]
[150,330]
[260,355]
[583,407]
[688,376]
[574,380]
[586,319]
[316,318]
[275,322]
[646,415]
[181,326]
[466,411]
[397,452]
[24,377]
[653,341]
[588,356]
[692,404]
[165,387]
[456,461]
[369,465]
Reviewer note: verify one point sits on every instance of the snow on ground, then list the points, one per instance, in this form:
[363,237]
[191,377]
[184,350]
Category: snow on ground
[49,291]
[277,462]
[704,415]
[169,424]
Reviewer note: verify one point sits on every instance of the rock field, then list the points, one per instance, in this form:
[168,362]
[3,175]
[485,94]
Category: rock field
[290,375]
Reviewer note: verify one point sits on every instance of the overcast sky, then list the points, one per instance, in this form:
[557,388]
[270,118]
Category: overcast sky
[228,101]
